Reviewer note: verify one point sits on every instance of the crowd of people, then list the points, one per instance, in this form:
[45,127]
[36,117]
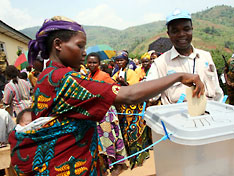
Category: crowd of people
[79,116]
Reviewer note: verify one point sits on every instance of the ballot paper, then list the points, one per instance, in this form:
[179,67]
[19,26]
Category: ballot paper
[196,106]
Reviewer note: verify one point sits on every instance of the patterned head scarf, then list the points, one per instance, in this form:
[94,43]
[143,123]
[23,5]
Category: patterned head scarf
[146,55]
[54,24]
[121,55]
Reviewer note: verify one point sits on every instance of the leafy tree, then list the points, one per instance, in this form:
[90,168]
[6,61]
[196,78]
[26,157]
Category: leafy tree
[219,63]
[229,44]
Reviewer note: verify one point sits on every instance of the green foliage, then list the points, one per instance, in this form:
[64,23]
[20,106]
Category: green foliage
[211,30]
[217,56]
[218,14]
[229,44]
[218,59]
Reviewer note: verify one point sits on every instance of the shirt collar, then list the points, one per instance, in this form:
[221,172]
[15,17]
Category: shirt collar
[97,72]
[56,64]
[175,54]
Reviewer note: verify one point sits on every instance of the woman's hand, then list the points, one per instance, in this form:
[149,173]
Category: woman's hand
[121,81]
[145,90]
[193,80]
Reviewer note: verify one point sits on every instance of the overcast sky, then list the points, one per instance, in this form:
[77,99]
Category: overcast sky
[118,14]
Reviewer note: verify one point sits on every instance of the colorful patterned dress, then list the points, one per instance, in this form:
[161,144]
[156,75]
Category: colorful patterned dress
[136,134]
[111,144]
[67,145]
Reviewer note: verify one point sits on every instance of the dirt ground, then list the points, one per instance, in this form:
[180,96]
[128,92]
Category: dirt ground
[148,168]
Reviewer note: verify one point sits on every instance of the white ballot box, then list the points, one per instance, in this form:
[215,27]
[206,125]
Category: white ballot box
[201,145]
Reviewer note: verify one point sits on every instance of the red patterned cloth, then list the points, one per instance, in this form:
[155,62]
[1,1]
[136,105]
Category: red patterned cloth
[68,144]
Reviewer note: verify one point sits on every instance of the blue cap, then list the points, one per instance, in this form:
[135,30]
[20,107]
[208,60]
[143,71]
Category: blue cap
[178,14]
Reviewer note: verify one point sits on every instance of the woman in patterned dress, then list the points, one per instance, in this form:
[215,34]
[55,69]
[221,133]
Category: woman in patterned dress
[133,127]
[111,146]
[67,143]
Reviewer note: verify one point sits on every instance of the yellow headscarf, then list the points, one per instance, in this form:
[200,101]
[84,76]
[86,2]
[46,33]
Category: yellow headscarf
[146,55]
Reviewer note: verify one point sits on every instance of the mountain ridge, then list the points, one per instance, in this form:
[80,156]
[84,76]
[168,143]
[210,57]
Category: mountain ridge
[212,29]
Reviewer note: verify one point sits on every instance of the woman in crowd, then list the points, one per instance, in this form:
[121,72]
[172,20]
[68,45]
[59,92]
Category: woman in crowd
[144,69]
[16,92]
[124,76]
[3,65]
[38,64]
[133,127]
[112,146]
[229,77]
[67,144]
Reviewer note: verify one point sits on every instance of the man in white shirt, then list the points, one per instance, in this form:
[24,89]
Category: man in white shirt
[183,57]
[6,126]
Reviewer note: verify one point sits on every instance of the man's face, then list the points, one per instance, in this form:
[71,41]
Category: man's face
[180,32]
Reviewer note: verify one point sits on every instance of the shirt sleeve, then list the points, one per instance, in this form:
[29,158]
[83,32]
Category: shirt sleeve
[82,98]
[8,95]
[10,124]
[213,80]
[153,74]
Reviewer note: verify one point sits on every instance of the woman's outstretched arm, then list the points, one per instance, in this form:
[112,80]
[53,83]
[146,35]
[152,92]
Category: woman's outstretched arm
[143,91]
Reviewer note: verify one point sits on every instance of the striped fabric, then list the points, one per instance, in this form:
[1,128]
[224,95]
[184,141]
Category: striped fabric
[17,96]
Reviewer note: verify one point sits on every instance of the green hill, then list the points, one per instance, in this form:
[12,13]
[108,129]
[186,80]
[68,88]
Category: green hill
[213,28]
[213,31]
[128,39]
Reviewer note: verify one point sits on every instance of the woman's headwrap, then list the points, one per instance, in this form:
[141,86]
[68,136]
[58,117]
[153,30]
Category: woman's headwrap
[146,55]
[54,24]
[151,52]
[121,55]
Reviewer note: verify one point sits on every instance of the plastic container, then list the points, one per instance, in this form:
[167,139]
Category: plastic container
[201,145]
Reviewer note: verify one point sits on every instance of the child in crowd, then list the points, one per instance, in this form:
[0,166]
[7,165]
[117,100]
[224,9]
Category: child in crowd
[23,118]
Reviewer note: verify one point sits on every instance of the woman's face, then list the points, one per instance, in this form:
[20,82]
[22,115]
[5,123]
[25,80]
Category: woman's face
[72,51]
[145,62]
[93,63]
[121,62]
